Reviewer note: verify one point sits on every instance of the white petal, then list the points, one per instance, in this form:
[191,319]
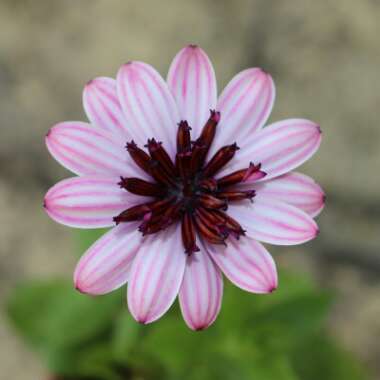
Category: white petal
[106,264]
[156,275]
[89,201]
[280,147]
[274,222]
[148,105]
[245,105]
[103,108]
[296,189]
[247,264]
[191,79]
[86,150]
[201,291]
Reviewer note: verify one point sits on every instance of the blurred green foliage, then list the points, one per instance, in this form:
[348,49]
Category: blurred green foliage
[280,336]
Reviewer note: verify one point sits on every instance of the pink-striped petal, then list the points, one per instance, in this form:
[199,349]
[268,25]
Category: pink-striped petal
[200,296]
[247,264]
[296,189]
[102,107]
[245,105]
[88,202]
[156,275]
[148,104]
[274,222]
[280,147]
[105,266]
[86,150]
[191,79]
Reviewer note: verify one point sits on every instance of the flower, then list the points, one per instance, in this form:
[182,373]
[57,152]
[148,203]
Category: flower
[190,183]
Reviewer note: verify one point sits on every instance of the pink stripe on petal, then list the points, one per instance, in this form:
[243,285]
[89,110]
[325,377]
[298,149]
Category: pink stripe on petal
[148,105]
[201,291]
[156,275]
[88,201]
[86,150]
[102,107]
[191,79]
[296,189]
[105,266]
[280,147]
[274,222]
[245,105]
[247,264]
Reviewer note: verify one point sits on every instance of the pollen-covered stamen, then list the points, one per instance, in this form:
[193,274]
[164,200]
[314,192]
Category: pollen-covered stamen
[221,157]
[183,137]
[140,157]
[189,234]
[211,202]
[251,173]
[159,154]
[140,187]
[236,195]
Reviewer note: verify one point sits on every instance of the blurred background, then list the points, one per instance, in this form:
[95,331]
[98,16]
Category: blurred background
[324,57]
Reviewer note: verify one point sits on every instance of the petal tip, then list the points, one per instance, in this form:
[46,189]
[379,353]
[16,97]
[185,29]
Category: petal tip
[192,46]
[272,289]
[79,289]
[200,328]
[89,83]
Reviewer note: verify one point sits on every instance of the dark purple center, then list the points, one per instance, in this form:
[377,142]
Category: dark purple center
[186,190]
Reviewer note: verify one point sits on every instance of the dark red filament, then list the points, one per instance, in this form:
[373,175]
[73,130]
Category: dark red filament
[186,190]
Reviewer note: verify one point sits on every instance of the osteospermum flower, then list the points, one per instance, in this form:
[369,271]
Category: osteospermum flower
[190,184]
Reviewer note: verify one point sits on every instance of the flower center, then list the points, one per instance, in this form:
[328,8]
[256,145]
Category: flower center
[187,190]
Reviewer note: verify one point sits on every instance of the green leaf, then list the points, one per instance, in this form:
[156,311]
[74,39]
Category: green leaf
[52,315]
[125,334]
[319,357]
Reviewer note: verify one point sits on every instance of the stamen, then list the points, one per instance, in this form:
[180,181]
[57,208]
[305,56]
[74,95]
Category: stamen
[187,191]
[158,153]
[132,213]
[230,223]
[208,131]
[183,137]
[252,173]
[183,161]
[188,234]
[141,158]
[209,184]
[160,175]
[198,156]
[206,138]
[221,157]
[236,195]
[210,202]
[141,187]
[211,233]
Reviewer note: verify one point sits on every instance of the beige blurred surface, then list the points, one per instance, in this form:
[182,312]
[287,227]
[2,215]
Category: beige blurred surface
[324,57]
